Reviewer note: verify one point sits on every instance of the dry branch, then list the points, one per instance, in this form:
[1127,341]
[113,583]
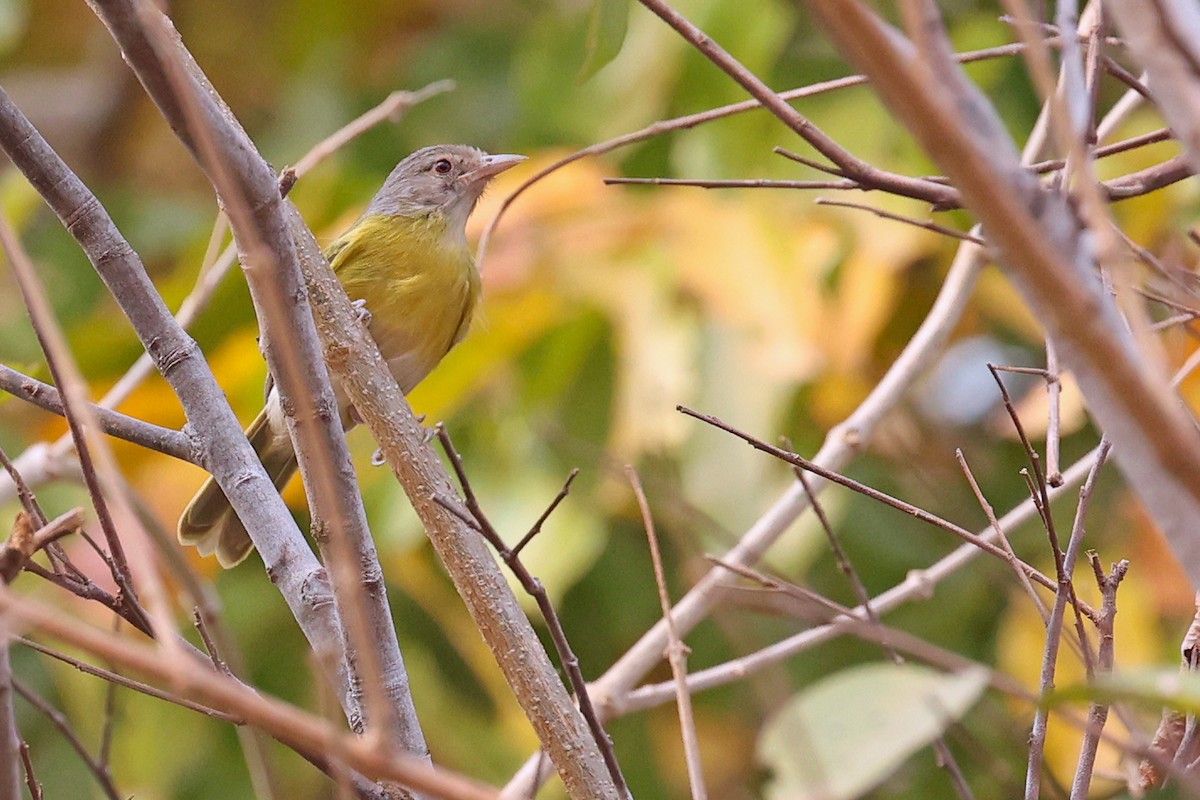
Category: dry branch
[1045,248]
[355,359]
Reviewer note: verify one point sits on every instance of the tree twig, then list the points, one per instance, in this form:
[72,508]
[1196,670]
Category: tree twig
[1065,594]
[1098,711]
[63,725]
[882,497]
[929,226]
[677,651]
[512,559]
[918,584]
[302,731]
[147,434]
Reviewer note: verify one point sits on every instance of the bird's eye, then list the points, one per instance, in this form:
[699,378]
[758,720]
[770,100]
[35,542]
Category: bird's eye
[442,166]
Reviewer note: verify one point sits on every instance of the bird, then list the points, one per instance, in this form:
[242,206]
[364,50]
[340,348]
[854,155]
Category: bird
[407,265]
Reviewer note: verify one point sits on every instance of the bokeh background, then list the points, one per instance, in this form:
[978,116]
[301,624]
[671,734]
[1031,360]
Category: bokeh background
[604,308]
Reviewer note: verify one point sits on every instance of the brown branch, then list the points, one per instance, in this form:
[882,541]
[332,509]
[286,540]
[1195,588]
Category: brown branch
[686,122]
[128,683]
[1098,711]
[677,651]
[929,226]
[1148,180]
[511,556]
[855,168]
[1046,249]
[31,781]
[298,729]
[882,497]
[753,183]
[998,530]
[1125,187]
[1065,565]
[63,725]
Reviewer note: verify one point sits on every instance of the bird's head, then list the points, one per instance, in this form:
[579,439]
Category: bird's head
[444,178]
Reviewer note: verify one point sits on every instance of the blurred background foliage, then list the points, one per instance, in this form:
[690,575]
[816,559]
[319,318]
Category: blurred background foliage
[604,308]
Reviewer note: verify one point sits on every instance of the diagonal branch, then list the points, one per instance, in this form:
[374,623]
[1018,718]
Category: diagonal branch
[1165,36]
[247,187]
[355,359]
[1044,249]
[291,564]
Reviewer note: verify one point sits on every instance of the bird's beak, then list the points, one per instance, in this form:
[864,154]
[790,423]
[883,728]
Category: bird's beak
[491,167]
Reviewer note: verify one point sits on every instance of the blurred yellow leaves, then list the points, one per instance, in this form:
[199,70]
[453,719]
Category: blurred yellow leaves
[676,270]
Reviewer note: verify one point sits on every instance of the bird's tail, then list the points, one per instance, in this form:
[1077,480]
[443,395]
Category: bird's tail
[209,522]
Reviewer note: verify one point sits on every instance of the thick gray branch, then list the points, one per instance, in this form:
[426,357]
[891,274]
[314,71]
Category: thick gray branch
[247,188]
[364,376]
[1165,36]
[1048,253]
[291,563]
[147,434]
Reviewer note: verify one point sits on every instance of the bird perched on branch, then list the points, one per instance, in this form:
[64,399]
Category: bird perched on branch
[406,260]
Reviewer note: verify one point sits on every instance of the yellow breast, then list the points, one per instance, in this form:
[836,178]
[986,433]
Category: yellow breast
[420,285]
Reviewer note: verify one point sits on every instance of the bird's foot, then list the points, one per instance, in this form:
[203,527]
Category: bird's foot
[360,309]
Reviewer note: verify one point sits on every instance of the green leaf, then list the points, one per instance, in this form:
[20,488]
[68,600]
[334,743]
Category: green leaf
[1155,687]
[844,736]
[607,23]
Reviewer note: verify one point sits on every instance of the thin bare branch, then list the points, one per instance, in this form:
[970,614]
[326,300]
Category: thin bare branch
[677,651]
[882,497]
[757,183]
[990,513]
[918,584]
[478,520]
[59,720]
[1098,712]
[929,226]
[31,781]
[155,437]
[307,734]
[1064,595]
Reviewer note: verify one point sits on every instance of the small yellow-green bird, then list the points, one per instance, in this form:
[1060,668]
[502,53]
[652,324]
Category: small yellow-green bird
[407,261]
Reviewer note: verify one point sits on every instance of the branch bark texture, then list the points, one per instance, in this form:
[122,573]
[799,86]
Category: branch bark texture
[297,573]
[247,188]
[1047,252]
[1165,36]
[363,375]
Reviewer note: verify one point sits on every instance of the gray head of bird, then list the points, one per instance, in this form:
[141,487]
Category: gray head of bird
[444,178]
